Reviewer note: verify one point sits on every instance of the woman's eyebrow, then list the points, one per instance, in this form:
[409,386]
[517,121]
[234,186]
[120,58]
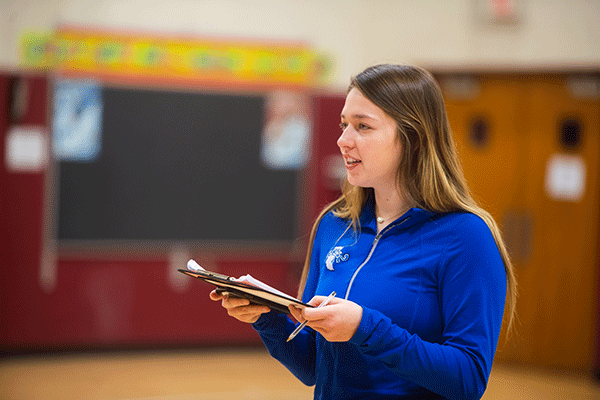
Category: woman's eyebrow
[359,116]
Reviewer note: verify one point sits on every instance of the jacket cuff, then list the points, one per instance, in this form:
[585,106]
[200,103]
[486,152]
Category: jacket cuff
[374,326]
[266,321]
[365,328]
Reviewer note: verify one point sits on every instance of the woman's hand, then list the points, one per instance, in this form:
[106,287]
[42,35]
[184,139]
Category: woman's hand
[337,321]
[240,309]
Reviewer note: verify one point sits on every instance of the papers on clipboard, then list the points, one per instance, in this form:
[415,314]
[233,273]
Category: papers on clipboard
[245,287]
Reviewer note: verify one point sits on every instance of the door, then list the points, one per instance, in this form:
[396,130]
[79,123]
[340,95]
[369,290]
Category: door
[529,147]
[559,282]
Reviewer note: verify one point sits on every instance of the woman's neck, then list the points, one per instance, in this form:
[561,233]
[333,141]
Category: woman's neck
[389,205]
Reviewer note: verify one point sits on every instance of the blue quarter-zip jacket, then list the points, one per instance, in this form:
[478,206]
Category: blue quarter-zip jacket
[432,288]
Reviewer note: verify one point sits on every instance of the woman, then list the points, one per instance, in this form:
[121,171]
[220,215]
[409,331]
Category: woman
[421,271]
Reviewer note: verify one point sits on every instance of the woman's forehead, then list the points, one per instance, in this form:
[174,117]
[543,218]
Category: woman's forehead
[357,106]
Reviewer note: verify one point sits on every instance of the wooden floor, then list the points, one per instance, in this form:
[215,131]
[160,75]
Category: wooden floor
[203,374]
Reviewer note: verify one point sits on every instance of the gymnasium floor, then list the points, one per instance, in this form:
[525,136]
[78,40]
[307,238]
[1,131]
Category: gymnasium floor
[241,374]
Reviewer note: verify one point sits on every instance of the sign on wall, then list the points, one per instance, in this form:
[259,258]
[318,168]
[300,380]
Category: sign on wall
[214,61]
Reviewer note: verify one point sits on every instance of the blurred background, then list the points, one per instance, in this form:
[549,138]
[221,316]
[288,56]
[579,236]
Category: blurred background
[137,135]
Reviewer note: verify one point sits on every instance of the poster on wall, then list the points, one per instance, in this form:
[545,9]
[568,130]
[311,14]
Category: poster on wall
[26,149]
[286,134]
[77,122]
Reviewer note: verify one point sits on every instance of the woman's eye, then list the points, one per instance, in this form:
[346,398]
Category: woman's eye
[343,126]
[363,127]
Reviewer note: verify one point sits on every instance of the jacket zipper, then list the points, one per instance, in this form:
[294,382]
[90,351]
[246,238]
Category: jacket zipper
[373,246]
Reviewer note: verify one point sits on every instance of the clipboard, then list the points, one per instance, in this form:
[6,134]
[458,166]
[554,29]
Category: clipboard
[255,294]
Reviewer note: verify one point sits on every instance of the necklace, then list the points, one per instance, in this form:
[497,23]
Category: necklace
[381,220]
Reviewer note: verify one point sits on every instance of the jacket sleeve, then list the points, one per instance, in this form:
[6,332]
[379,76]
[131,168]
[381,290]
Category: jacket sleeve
[299,354]
[472,291]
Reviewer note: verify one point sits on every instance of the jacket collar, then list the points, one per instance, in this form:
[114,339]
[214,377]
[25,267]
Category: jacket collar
[410,218]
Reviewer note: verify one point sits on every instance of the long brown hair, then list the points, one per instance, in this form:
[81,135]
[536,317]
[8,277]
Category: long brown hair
[429,172]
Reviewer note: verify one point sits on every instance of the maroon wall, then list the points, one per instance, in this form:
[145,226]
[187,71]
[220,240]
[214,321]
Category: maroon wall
[110,300]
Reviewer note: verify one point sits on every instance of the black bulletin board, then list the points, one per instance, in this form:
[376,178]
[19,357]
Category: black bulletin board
[177,166]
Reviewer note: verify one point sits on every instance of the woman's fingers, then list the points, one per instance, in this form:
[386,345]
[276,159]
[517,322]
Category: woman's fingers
[296,313]
[337,321]
[300,314]
[247,313]
[315,313]
[228,301]
[214,296]
[239,308]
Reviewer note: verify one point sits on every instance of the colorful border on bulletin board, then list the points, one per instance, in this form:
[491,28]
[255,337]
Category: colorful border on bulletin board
[145,57]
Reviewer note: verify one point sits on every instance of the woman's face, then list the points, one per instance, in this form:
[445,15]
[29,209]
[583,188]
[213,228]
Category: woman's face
[369,143]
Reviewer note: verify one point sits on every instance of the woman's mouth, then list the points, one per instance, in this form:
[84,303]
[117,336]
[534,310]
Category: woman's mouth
[351,162]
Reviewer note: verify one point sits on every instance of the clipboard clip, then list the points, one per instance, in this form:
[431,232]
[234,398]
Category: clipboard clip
[196,268]
[209,274]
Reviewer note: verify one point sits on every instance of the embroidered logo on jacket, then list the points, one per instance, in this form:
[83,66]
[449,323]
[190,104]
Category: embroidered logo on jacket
[335,254]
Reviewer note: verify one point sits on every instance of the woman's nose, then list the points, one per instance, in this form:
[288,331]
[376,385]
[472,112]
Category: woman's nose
[345,140]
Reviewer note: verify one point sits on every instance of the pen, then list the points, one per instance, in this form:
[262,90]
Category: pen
[302,325]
